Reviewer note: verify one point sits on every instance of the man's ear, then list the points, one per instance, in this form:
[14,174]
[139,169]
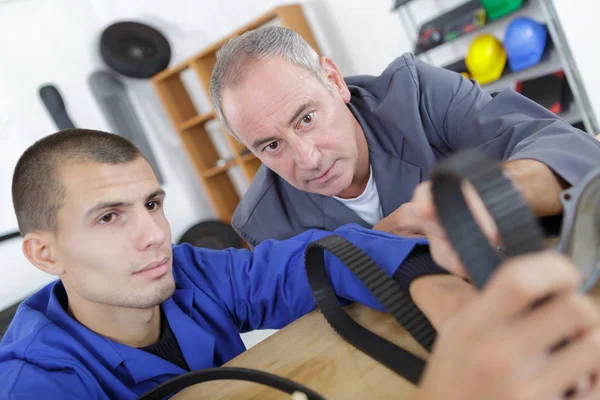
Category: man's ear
[335,77]
[39,250]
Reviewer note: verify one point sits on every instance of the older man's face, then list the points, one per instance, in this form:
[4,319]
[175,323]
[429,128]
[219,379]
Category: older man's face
[297,126]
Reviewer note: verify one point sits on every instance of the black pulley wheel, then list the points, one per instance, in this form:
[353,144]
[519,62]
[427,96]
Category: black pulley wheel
[212,234]
[135,50]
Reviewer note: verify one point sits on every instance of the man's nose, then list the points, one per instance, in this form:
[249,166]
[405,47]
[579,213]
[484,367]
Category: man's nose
[151,233]
[307,156]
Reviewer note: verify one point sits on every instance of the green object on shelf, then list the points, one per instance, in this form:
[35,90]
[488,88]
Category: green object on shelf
[499,8]
[450,36]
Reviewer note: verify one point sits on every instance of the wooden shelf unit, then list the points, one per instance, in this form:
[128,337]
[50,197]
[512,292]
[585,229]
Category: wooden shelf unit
[190,124]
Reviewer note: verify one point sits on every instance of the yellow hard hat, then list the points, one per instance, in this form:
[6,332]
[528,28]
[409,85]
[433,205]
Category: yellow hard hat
[486,59]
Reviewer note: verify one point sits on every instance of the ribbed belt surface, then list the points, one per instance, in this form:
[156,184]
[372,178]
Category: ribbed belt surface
[519,231]
[385,289]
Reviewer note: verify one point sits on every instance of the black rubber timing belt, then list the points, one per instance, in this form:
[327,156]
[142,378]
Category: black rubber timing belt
[385,289]
[519,231]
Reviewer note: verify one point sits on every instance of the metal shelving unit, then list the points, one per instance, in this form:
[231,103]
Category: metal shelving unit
[568,64]
[559,57]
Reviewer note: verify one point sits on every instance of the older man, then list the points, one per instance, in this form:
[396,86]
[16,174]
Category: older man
[359,149]
[338,150]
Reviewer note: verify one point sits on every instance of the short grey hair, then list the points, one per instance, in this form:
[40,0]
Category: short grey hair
[234,57]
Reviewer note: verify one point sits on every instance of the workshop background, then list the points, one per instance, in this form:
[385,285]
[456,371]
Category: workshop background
[50,52]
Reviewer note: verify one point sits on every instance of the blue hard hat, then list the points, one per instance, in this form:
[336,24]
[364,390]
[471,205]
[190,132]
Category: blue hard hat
[524,42]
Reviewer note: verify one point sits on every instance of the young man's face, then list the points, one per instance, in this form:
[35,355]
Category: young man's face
[299,128]
[113,242]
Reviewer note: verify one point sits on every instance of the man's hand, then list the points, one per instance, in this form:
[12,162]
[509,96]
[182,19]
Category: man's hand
[500,347]
[537,184]
[404,221]
[440,247]
[440,297]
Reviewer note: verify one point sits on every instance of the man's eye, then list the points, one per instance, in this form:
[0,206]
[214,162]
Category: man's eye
[105,219]
[307,119]
[152,205]
[272,146]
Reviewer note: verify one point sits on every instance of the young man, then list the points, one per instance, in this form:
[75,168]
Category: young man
[130,310]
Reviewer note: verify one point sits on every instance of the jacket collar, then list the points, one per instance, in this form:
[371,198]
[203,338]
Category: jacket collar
[197,345]
[92,341]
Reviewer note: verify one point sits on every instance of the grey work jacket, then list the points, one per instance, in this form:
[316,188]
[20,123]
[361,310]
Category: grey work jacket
[413,114]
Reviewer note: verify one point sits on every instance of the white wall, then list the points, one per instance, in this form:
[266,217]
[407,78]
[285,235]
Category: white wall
[30,35]
[55,41]
[579,21]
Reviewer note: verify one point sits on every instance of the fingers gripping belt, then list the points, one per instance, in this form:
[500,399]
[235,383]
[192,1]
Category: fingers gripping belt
[519,231]
[385,289]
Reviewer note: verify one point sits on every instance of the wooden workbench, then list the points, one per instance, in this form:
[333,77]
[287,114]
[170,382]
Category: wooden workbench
[308,351]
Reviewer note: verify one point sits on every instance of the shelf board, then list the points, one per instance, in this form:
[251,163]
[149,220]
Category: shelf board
[551,64]
[212,48]
[209,173]
[440,23]
[197,120]
[259,21]
[247,157]
[169,72]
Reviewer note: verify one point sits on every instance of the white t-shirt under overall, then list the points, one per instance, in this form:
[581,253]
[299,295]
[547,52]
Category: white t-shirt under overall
[366,205]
